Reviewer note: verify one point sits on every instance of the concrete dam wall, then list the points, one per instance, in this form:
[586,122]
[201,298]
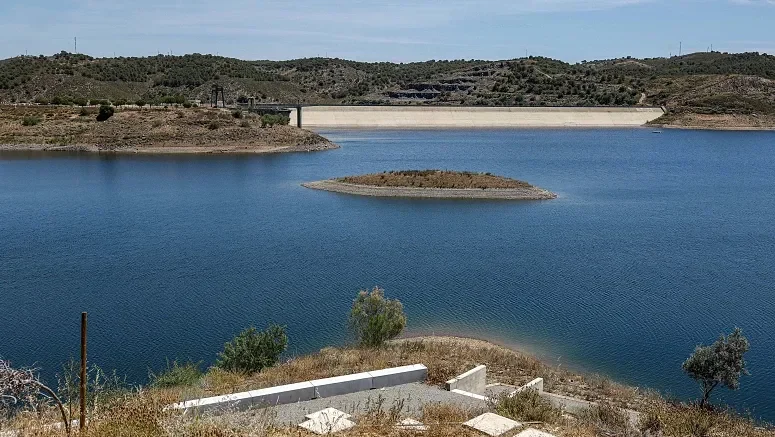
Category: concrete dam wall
[314,117]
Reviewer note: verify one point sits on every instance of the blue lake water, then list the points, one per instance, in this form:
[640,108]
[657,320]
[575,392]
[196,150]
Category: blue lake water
[657,243]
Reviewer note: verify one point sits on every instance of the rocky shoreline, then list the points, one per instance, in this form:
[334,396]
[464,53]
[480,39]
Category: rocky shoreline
[169,149]
[150,131]
[532,193]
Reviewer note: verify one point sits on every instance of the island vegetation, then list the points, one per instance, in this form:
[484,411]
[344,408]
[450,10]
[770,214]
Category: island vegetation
[724,90]
[435,179]
[252,361]
[151,130]
[434,184]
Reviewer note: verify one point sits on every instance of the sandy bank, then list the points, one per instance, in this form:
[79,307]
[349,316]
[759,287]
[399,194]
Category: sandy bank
[316,117]
[532,193]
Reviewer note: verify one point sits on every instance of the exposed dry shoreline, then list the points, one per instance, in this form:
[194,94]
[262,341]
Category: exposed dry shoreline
[149,131]
[719,122]
[532,193]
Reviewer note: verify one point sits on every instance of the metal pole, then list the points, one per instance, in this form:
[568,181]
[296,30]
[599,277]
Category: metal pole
[82,422]
[298,116]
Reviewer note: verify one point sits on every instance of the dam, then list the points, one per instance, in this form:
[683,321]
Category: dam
[410,117]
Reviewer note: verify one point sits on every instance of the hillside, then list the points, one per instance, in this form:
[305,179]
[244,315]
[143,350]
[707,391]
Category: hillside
[701,83]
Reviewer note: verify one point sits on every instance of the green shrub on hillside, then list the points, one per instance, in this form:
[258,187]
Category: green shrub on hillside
[251,350]
[236,114]
[176,375]
[105,113]
[141,103]
[374,319]
[269,120]
[526,406]
[30,121]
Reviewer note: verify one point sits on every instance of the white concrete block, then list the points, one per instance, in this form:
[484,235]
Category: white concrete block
[409,424]
[340,385]
[283,394]
[399,375]
[536,384]
[473,381]
[492,424]
[323,426]
[233,402]
[532,432]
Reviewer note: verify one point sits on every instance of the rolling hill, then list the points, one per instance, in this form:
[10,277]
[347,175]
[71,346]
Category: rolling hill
[712,84]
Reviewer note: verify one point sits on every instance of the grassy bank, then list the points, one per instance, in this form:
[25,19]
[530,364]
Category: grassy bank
[141,413]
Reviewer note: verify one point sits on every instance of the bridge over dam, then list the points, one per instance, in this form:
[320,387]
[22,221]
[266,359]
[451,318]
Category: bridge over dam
[335,116]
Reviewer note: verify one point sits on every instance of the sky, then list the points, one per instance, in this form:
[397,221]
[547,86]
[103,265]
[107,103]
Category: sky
[387,30]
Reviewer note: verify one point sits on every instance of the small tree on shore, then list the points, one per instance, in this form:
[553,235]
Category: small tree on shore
[721,363]
[251,351]
[374,319]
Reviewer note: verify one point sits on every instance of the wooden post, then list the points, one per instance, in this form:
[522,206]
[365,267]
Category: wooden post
[298,116]
[82,422]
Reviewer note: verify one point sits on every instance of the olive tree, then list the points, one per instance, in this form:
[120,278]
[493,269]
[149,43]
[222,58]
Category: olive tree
[374,319]
[721,363]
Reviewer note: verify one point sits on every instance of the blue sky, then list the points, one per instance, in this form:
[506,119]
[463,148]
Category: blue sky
[390,30]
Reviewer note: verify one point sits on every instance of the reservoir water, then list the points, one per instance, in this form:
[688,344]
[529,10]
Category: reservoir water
[656,243]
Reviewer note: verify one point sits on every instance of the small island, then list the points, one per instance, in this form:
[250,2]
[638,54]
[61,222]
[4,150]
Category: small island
[441,184]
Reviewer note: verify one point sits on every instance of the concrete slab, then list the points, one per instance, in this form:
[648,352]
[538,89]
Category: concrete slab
[327,427]
[492,424]
[399,376]
[532,432]
[410,424]
[473,381]
[340,385]
[283,394]
[328,413]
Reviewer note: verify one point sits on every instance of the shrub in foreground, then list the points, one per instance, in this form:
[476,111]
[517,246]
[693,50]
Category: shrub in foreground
[374,319]
[251,350]
[526,406]
[721,363]
[176,375]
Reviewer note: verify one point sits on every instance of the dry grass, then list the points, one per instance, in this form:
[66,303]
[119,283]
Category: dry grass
[141,414]
[445,358]
[434,179]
